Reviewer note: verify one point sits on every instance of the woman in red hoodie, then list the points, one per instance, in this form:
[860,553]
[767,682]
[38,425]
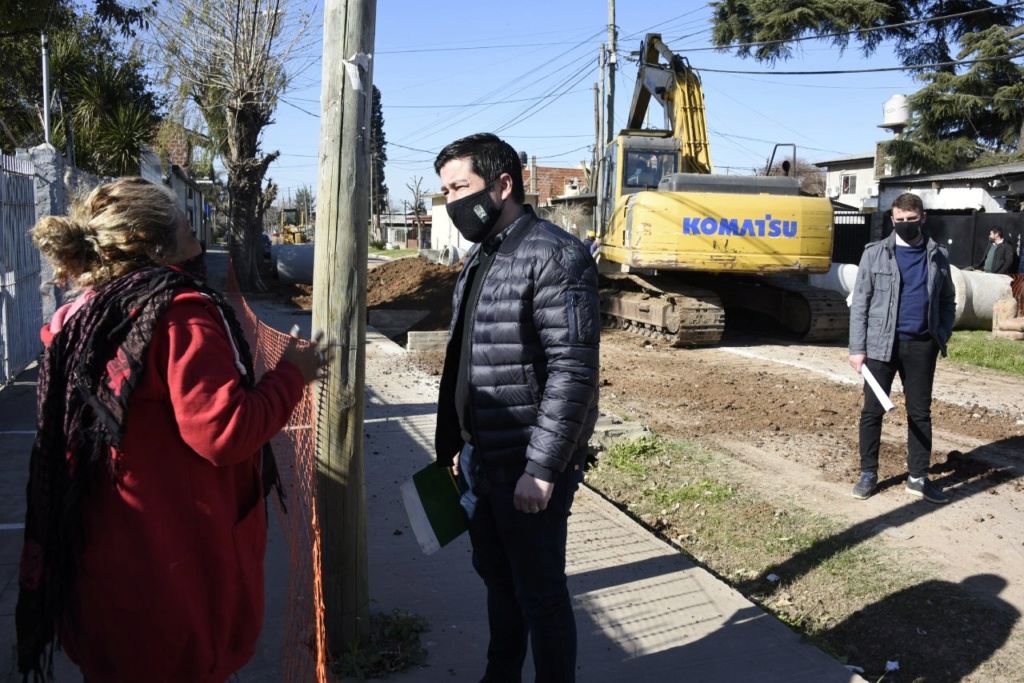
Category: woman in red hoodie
[146,525]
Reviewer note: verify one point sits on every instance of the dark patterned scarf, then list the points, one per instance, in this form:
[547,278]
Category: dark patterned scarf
[86,381]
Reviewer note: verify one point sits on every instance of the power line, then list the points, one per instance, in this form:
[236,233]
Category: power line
[295,106]
[431,128]
[465,49]
[473,104]
[835,72]
[579,75]
[411,149]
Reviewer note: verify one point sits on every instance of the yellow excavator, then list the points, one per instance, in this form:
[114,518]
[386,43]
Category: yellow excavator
[681,245]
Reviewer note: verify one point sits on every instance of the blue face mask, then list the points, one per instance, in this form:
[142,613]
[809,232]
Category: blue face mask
[475,215]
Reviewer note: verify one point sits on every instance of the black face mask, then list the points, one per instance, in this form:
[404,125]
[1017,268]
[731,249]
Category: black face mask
[908,230]
[475,215]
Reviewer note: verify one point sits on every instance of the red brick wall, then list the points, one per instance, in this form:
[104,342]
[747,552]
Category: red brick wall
[551,181]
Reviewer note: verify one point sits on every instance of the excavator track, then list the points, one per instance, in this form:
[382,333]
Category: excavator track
[663,308]
[828,313]
[811,313]
[686,315]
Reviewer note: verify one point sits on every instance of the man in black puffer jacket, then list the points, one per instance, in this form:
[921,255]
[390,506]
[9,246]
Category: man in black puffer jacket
[518,401]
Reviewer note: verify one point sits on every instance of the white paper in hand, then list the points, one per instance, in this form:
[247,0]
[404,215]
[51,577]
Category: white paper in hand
[882,397]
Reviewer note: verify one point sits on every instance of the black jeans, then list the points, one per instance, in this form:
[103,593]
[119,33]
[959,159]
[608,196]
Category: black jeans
[521,558]
[915,363]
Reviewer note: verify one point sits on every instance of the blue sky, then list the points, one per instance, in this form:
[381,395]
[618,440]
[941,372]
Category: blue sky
[526,72]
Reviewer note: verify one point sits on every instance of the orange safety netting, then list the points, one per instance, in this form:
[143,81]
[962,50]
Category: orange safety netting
[305,646]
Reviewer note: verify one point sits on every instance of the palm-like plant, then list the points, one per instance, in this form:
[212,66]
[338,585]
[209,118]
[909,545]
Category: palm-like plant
[104,112]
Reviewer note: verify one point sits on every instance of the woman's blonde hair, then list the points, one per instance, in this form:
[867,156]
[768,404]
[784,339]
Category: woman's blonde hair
[120,227]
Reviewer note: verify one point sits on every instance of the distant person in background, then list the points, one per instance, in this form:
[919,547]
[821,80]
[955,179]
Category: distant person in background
[589,241]
[901,317]
[594,246]
[999,257]
[146,525]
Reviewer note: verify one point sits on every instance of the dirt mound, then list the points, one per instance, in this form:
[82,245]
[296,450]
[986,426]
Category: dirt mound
[414,284]
[402,284]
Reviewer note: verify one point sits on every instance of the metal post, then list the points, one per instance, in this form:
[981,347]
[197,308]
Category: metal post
[46,88]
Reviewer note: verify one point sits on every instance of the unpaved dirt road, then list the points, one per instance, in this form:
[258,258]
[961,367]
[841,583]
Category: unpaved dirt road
[788,415]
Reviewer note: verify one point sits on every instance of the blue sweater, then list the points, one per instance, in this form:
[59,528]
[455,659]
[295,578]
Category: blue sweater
[912,315]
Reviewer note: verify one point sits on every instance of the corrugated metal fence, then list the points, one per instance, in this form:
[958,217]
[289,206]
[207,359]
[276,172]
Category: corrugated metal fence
[21,310]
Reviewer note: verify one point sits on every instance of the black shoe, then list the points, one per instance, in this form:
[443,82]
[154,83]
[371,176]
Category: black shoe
[865,488]
[927,490]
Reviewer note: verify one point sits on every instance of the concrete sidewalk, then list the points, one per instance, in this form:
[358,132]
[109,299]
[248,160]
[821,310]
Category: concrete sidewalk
[644,612]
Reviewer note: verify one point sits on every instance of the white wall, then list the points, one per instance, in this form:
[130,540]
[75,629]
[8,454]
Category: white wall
[867,187]
[947,198]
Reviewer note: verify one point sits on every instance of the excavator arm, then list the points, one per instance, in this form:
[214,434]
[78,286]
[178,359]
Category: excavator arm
[677,87]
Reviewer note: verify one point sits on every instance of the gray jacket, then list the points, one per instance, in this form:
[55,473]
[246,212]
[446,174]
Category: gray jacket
[876,299]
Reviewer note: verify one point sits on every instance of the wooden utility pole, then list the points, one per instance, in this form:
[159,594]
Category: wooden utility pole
[599,195]
[339,309]
[612,39]
[597,139]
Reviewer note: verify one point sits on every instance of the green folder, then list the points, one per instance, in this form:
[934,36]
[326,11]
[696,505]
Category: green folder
[431,500]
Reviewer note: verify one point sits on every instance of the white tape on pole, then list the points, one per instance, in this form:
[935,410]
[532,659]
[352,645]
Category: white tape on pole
[882,397]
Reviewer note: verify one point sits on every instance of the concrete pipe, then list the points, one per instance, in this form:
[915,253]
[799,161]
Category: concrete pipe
[976,294]
[841,277]
[449,256]
[293,263]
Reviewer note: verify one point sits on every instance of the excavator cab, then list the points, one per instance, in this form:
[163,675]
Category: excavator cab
[645,168]
[636,161]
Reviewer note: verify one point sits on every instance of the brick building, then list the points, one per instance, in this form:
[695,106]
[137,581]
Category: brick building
[548,182]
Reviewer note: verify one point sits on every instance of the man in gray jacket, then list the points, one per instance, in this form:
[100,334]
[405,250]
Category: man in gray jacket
[517,402]
[900,319]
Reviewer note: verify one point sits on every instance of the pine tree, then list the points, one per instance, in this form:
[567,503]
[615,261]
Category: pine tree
[966,114]
[379,153]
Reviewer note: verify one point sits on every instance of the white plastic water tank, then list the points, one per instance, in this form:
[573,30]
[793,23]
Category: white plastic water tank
[895,111]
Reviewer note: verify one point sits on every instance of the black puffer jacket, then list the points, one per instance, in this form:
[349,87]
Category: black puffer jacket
[533,365]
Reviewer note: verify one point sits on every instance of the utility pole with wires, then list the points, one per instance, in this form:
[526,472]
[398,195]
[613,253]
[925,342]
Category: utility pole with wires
[601,124]
[611,62]
[339,309]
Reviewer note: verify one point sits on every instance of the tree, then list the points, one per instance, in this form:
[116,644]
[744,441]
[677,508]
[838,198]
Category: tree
[812,178]
[418,197]
[230,61]
[32,16]
[969,118]
[305,202]
[968,114]
[576,219]
[378,151]
[104,109]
